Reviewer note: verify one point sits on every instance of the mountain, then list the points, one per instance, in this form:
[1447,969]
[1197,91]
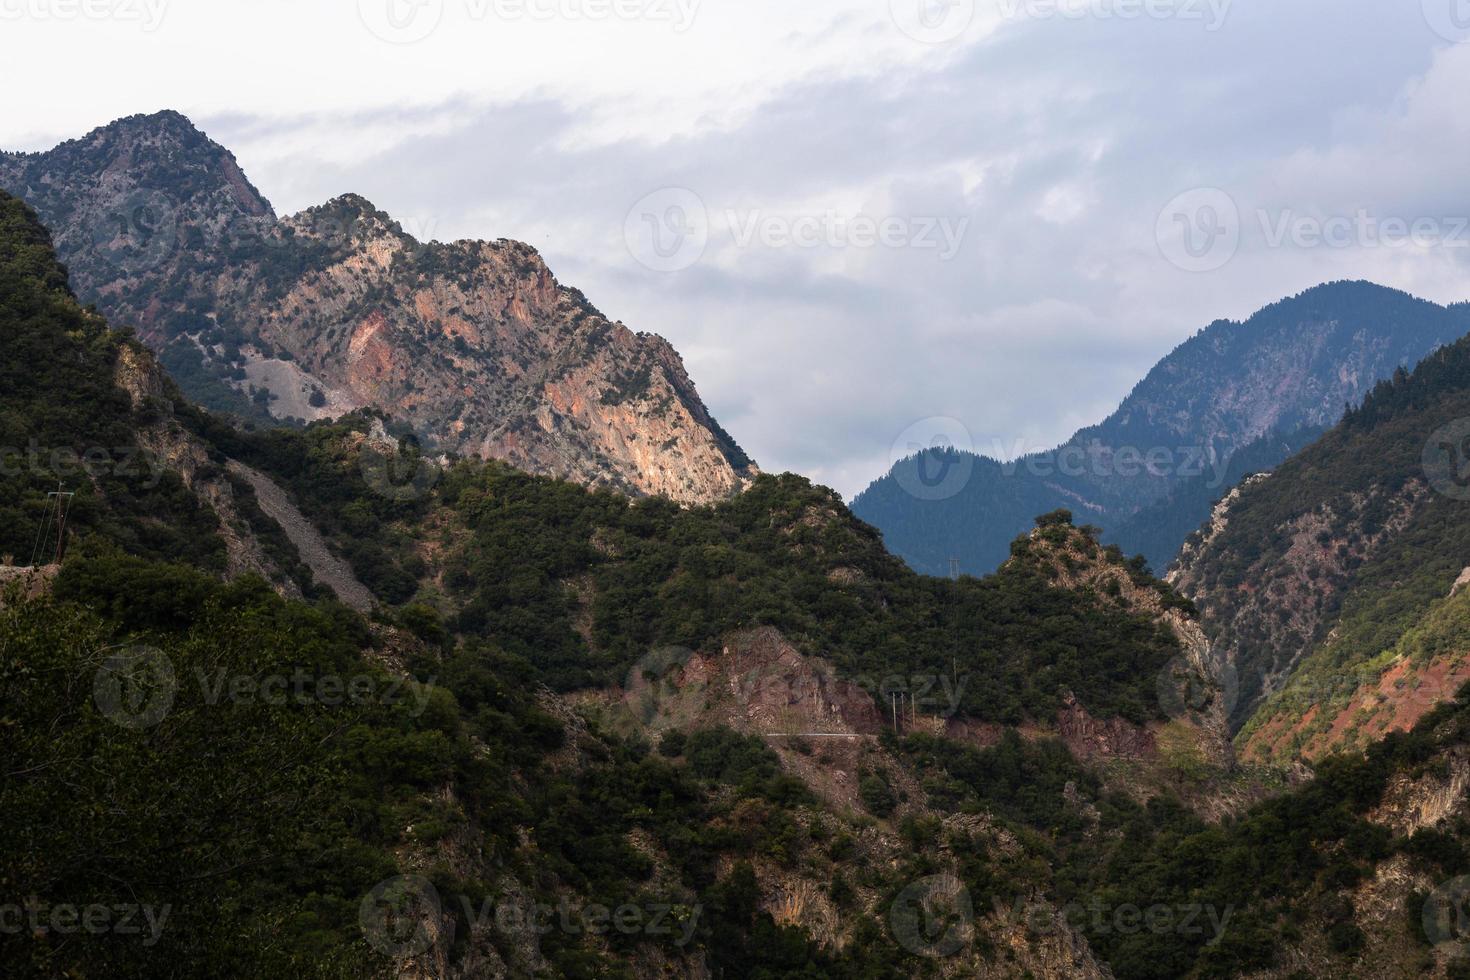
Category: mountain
[1157,530]
[474,346]
[1333,588]
[1288,370]
[587,736]
[150,768]
[87,411]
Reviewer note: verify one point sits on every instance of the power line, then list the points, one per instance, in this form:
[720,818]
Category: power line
[63,497]
[60,499]
[42,535]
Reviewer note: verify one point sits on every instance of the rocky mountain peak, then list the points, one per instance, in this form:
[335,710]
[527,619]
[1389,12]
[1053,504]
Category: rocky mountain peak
[162,127]
[163,153]
[474,344]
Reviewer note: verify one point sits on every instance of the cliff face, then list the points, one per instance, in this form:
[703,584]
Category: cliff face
[473,344]
[1266,616]
[478,347]
[1332,589]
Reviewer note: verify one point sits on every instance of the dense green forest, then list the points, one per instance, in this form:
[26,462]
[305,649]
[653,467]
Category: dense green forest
[250,770]
[784,553]
[260,825]
[64,423]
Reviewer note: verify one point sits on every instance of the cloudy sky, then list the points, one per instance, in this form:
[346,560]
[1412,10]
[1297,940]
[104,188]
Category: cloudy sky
[850,216]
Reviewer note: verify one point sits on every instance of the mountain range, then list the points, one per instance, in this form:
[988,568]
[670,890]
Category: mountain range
[474,346]
[1333,587]
[1149,473]
[426,691]
[547,636]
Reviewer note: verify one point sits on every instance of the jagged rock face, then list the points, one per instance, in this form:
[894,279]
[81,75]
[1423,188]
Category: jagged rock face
[1264,625]
[134,204]
[473,344]
[1412,803]
[1399,893]
[1269,625]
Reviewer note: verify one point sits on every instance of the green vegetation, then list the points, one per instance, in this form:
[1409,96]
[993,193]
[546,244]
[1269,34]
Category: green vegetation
[427,740]
[63,418]
[659,575]
[531,558]
[373,529]
[1278,870]
[1383,570]
[259,824]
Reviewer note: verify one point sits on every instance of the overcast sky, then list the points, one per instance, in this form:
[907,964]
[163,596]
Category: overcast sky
[850,217]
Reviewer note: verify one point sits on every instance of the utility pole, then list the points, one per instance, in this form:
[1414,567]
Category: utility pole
[63,498]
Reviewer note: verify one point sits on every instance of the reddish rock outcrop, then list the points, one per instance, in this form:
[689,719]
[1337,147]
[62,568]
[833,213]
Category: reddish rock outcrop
[474,344]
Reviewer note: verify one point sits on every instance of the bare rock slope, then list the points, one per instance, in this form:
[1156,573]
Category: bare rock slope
[473,344]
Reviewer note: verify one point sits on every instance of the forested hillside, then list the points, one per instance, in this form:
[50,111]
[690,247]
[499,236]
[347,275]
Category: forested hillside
[65,424]
[1336,575]
[212,769]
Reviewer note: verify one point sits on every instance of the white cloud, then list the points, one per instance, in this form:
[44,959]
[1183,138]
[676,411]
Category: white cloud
[1056,141]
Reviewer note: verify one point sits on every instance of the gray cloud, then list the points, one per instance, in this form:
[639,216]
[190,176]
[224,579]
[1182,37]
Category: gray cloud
[1056,141]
